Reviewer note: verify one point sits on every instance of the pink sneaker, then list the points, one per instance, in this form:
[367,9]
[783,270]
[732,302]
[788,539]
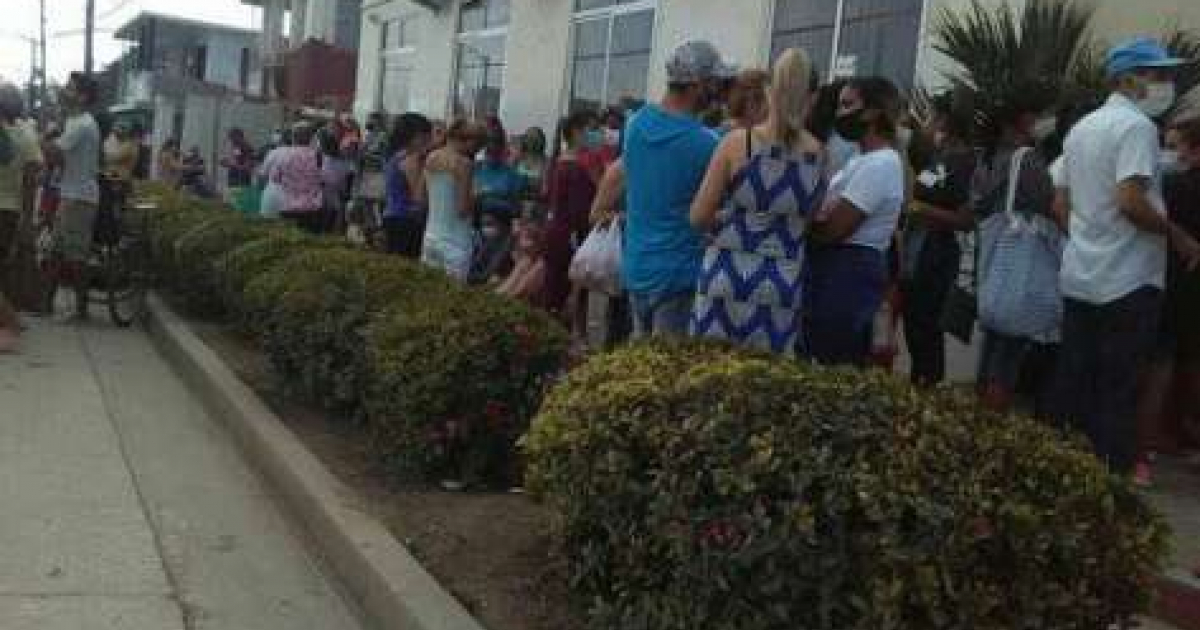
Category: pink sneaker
[1142,474]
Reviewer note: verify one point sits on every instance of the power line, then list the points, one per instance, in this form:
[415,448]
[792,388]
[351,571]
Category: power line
[113,10]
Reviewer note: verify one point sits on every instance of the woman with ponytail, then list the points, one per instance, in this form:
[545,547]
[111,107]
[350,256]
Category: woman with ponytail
[762,187]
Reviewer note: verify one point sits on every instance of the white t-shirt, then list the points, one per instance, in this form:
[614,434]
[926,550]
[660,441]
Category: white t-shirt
[873,183]
[1057,176]
[1107,257]
[80,144]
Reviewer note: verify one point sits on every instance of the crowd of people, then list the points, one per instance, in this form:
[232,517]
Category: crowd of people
[765,208]
[812,220]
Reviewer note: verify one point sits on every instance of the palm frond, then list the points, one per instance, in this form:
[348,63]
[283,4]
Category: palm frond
[1005,57]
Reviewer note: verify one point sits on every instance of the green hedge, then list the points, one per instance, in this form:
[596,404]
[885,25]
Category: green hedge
[374,338]
[700,487]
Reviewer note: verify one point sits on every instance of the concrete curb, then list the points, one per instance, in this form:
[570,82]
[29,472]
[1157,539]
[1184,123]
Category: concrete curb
[390,586]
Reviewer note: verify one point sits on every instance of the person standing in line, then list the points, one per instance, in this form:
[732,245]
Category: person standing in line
[931,252]
[450,240]
[571,192]
[667,151]
[404,214]
[748,106]
[296,171]
[77,152]
[853,232]
[531,162]
[239,164]
[169,165]
[823,125]
[762,188]
[1177,352]
[1115,262]
[1020,126]
[20,160]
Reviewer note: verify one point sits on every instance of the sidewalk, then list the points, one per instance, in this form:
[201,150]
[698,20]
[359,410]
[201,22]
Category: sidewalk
[125,507]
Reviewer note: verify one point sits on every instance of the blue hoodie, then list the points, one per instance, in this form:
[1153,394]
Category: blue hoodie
[666,156]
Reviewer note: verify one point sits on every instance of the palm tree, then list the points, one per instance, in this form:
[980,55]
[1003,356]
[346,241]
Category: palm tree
[1038,56]
[1045,54]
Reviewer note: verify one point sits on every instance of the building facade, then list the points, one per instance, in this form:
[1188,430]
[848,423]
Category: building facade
[309,48]
[530,61]
[179,49]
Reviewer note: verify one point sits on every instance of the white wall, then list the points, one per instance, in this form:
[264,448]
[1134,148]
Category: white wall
[538,56]
[224,64]
[433,61]
[740,29]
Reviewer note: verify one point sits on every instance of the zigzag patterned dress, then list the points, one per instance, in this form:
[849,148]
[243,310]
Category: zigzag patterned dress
[751,284]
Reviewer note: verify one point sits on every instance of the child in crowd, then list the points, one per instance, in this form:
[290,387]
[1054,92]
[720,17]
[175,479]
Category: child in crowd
[527,280]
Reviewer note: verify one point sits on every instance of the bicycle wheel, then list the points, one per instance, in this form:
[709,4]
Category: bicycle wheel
[124,284]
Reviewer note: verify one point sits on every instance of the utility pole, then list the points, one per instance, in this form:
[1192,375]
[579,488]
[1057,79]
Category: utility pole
[43,94]
[89,35]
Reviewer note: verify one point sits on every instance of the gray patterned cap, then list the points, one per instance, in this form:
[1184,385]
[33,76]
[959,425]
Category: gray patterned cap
[696,61]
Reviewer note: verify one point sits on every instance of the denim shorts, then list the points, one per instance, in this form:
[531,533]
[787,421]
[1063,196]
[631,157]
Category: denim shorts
[657,314]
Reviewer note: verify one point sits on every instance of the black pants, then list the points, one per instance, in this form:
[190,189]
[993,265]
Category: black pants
[924,301]
[1104,350]
[405,235]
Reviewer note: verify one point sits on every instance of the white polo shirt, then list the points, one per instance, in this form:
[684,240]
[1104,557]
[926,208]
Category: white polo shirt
[1107,257]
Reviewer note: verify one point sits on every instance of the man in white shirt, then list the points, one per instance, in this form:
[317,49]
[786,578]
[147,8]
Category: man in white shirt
[1114,266]
[77,152]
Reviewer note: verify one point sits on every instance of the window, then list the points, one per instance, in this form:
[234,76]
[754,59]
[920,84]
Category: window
[612,40]
[244,70]
[479,74]
[397,60]
[853,37]
[400,33]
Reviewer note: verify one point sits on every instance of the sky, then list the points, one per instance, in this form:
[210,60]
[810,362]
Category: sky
[65,51]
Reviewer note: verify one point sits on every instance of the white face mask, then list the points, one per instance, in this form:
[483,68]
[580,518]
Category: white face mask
[1169,162]
[1044,128]
[904,137]
[1160,96]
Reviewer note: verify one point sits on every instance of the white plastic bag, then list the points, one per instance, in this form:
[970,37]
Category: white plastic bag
[584,260]
[597,263]
[608,261]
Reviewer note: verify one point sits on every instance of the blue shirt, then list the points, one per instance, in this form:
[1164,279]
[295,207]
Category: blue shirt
[666,157]
[499,187]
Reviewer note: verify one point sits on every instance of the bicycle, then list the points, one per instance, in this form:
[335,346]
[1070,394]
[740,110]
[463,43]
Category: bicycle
[116,273]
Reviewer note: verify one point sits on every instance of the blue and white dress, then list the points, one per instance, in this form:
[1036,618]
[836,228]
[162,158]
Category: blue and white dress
[751,284]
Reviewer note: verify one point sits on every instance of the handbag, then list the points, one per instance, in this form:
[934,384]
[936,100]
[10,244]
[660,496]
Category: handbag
[1019,292]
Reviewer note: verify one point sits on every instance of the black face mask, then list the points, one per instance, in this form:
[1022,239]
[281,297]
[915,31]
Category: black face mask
[851,126]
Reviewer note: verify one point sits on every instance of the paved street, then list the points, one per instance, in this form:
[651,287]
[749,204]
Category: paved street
[125,507]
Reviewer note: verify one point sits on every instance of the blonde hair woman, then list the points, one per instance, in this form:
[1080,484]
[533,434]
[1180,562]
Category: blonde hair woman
[763,185]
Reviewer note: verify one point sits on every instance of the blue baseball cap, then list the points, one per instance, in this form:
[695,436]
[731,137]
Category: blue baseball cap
[1138,54]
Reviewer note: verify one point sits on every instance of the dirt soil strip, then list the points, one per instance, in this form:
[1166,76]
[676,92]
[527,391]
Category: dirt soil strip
[494,552]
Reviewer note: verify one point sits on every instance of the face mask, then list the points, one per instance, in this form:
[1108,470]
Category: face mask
[904,137]
[1169,162]
[1160,96]
[1044,128]
[612,137]
[851,126]
[593,139]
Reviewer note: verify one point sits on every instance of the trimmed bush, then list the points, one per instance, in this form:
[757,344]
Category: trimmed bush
[456,380]
[333,320]
[701,487]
